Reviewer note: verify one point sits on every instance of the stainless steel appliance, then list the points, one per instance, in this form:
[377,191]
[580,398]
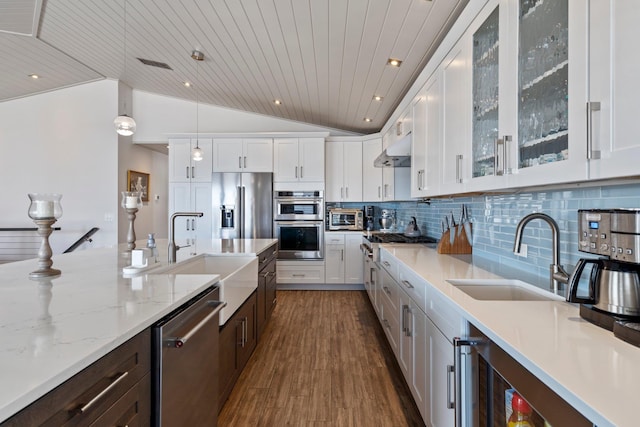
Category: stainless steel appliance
[492,376]
[369,213]
[185,363]
[387,219]
[299,225]
[614,285]
[300,239]
[298,206]
[242,205]
[345,219]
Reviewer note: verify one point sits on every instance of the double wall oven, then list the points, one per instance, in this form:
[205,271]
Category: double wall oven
[298,224]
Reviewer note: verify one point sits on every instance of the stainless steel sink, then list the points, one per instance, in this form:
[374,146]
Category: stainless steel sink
[503,290]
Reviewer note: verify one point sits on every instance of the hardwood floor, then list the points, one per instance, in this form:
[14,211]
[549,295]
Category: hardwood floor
[323,361]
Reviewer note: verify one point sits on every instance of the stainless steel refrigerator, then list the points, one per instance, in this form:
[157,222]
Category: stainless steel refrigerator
[242,205]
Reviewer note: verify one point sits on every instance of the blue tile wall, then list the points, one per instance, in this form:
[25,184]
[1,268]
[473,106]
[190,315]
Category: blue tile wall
[495,218]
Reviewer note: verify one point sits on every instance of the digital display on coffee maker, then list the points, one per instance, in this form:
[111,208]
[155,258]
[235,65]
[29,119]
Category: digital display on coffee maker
[594,225]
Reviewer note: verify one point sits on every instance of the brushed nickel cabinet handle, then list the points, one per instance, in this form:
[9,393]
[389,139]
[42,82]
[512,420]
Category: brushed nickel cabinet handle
[296,171]
[239,162]
[450,401]
[179,342]
[459,168]
[187,172]
[407,284]
[301,174]
[106,390]
[245,162]
[591,107]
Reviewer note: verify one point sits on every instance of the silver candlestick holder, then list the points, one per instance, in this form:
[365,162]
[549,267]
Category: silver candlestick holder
[131,202]
[45,210]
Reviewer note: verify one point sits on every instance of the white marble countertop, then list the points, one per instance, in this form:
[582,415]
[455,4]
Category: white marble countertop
[586,365]
[52,329]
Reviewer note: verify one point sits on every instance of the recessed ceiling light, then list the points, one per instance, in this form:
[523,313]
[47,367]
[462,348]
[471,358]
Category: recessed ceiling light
[394,62]
[377,98]
[277,102]
[186,84]
[34,76]
[367,119]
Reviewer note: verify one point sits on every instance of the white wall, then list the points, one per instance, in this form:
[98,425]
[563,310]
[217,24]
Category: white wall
[152,217]
[62,142]
[158,115]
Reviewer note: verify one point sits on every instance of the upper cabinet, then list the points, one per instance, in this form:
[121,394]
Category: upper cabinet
[614,67]
[243,155]
[298,159]
[455,74]
[182,168]
[371,175]
[426,139]
[343,171]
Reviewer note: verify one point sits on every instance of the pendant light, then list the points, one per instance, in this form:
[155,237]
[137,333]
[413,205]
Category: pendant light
[124,124]
[196,153]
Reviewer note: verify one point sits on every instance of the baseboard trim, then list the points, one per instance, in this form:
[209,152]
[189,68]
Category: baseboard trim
[320,287]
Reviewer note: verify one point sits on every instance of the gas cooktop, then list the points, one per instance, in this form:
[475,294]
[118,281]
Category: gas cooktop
[399,238]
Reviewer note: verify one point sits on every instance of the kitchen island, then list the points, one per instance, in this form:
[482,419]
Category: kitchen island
[584,364]
[54,328]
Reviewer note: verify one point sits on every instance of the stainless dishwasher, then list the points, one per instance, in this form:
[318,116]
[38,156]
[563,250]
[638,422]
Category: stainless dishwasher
[185,356]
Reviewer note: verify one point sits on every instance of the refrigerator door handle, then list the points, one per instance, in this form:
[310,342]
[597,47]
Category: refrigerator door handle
[242,211]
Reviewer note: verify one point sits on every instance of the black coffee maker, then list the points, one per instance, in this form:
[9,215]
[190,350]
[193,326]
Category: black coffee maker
[369,213]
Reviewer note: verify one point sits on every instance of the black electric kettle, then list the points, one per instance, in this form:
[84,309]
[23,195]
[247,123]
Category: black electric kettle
[614,286]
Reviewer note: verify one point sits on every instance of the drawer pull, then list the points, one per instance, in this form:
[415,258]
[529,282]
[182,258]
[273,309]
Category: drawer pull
[386,290]
[106,390]
[407,284]
[179,342]
[386,263]
[298,275]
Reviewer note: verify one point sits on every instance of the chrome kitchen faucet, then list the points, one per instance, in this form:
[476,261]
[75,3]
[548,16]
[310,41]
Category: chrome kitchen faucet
[173,248]
[557,274]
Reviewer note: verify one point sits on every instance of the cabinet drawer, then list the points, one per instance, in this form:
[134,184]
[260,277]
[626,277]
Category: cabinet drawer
[389,263]
[444,315]
[414,285]
[96,388]
[334,239]
[300,272]
[390,325]
[132,409]
[266,256]
[389,289]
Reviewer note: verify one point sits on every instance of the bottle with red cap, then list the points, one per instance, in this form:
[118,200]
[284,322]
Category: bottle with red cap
[521,416]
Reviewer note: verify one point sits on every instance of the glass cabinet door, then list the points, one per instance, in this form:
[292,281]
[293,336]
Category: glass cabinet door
[485,95]
[543,76]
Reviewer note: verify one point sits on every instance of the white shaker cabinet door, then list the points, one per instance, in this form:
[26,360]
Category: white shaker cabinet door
[257,155]
[371,175]
[285,160]
[311,159]
[614,88]
[227,155]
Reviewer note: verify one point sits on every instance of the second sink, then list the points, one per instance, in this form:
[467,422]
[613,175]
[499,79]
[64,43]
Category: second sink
[503,290]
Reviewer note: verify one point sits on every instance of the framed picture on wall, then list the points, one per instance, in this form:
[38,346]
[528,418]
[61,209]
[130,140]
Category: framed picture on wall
[138,181]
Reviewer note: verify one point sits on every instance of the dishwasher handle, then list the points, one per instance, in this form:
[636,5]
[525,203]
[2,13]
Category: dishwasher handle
[181,341]
[456,369]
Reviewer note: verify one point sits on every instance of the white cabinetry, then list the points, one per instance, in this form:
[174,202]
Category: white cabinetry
[181,166]
[613,83]
[299,272]
[191,197]
[298,159]
[440,378]
[456,119]
[343,258]
[243,155]
[371,175]
[426,139]
[343,171]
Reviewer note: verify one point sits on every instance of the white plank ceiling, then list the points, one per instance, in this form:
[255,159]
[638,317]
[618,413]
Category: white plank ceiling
[324,59]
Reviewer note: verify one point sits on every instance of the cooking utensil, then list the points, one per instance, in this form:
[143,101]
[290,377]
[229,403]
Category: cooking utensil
[412,229]
[452,234]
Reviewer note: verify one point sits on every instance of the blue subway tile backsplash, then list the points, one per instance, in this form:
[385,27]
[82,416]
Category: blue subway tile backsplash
[495,218]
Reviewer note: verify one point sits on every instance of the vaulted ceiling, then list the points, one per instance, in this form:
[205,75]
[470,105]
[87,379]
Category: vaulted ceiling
[325,60]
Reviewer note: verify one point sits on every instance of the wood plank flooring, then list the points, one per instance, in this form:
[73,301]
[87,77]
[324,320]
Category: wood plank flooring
[323,360]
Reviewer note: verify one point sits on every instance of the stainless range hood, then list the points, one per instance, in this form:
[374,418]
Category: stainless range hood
[397,155]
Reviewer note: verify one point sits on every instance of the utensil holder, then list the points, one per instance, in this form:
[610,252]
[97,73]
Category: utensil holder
[460,244]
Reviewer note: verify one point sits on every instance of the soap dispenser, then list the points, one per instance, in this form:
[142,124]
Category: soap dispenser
[151,244]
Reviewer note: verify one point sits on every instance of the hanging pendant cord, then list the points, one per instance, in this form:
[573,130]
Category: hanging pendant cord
[197,105]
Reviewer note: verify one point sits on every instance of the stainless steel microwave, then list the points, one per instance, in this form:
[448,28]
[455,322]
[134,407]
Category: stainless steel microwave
[345,219]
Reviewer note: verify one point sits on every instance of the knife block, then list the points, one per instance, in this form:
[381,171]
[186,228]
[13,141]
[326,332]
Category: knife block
[460,244]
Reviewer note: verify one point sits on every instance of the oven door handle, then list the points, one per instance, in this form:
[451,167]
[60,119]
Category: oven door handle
[458,343]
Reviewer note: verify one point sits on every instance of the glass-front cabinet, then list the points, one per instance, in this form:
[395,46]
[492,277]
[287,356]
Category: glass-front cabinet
[529,93]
